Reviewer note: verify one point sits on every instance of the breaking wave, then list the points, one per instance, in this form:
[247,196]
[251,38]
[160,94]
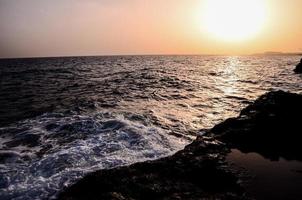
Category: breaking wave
[53,151]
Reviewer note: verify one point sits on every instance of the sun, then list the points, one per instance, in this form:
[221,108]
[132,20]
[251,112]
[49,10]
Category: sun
[234,20]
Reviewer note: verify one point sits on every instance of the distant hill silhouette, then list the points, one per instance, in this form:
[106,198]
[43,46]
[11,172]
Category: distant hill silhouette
[279,53]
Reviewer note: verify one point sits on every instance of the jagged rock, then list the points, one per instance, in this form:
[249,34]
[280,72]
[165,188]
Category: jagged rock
[196,172]
[298,68]
[270,126]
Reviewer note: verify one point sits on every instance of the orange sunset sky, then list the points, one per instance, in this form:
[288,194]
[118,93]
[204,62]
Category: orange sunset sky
[34,28]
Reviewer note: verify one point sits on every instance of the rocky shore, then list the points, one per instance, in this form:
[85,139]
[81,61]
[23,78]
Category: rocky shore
[270,126]
[298,68]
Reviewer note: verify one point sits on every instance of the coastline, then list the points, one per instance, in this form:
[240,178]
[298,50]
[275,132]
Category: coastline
[201,171]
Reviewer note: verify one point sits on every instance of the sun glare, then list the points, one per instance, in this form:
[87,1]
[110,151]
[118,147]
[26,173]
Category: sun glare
[234,20]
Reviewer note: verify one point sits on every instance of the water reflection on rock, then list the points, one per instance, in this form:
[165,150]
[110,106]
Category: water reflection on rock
[281,179]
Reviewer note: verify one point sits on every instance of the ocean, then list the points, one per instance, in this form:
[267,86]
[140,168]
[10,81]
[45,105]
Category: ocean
[61,118]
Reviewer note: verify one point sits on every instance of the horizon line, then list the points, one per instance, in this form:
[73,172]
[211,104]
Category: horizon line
[121,55]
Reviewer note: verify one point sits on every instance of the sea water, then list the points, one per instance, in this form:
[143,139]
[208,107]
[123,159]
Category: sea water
[61,118]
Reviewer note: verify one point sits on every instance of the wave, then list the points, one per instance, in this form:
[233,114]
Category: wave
[53,150]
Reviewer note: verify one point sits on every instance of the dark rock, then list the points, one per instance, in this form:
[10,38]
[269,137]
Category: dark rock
[197,172]
[269,126]
[298,68]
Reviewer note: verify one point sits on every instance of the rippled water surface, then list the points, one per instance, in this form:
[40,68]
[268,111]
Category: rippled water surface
[61,118]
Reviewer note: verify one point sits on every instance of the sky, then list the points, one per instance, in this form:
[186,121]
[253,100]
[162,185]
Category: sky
[41,28]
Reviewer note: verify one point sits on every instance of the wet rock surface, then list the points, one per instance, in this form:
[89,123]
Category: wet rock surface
[197,172]
[270,126]
[298,68]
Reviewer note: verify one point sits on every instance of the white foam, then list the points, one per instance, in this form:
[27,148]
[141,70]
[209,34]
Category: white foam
[80,144]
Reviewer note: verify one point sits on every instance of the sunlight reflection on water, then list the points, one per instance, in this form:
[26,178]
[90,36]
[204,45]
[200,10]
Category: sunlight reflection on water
[113,111]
